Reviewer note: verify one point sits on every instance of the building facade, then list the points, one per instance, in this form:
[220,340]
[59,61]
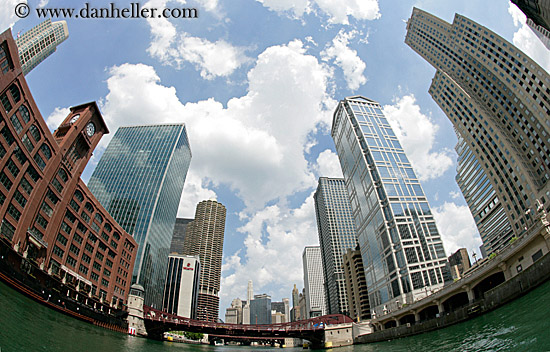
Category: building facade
[356,286]
[489,215]
[538,11]
[260,310]
[336,229]
[178,237]
[498,100]
[400,245]
[234,314]
[246,306]
[47,213]
[41,41]
[313,282]
[459,262]
[139,180]
[181,286]
[204,238]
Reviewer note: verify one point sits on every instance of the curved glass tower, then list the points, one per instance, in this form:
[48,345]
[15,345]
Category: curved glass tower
[139,180]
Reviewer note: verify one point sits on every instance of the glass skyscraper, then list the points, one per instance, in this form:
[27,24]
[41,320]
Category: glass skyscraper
[498,100]
[139,180]
[402,251]
[39,42]
[336,234]
[313,282]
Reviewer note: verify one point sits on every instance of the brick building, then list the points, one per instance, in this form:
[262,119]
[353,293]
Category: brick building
[47,213]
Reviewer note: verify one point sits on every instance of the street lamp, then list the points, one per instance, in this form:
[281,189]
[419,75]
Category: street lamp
[475,257]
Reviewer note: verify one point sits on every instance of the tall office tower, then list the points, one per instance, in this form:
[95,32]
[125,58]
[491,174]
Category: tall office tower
[260,310]
[41,41]
[498,100]
[402,251]
[178,237]
[313,282]
[536,10]
[182,285]
[459,262]
[356,285]
[336,234]
[295,302]
[50,221]
[234,314]
[489,215]
[204,238]
[246,308]
[139,180]
[287,309]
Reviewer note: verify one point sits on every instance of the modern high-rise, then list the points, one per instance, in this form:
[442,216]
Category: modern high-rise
[139,180]
[178,237]
[204,238]
[182,285]
[313,282]
[400,245]
[489,215]
[246,307]
[39,42]
[260,310]
[336,229]
[538,11]
[356,285]
[498,100]
[295,303]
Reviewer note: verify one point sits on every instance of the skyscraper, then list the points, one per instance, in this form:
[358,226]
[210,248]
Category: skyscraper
[139,180]
[39,42]
[498,100]
[356,285]
[402,251]
[249,298]
[489,215]
[204,238]
[336,234]
[260,309]
[313,282]
[182,285]
[538,11]
[178,237]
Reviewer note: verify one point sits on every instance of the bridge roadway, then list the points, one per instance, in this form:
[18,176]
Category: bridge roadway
[313,330]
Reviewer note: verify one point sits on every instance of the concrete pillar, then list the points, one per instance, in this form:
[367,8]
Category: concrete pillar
[440,307]
[416,317]
[397,322]
[502,266]
[470,292]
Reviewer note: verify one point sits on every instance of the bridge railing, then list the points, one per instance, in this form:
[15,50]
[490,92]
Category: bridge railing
[310,324]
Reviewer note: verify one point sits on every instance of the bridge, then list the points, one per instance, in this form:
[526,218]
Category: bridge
[314,330]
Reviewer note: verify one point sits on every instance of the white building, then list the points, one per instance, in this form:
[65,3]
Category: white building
[181,285]
[314,283]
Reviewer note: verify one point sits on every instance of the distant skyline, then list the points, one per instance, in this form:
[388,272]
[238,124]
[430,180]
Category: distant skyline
[256,84]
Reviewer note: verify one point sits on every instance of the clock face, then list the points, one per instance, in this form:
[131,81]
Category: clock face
[75,117]
[90,129]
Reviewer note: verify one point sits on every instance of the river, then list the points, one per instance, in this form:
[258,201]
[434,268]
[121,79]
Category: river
[523,325]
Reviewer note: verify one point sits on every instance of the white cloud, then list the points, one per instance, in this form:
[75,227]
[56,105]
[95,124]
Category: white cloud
[194,191]
[7,14]
[339,11]
[328,164]
[346,58]
[457,228]
[56,117]
[417,133]
[527,41]
[212,59]
[454,194]
[275,239]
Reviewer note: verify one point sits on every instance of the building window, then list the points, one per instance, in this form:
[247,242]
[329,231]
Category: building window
[5,180]
[27,143]
[13,169]
[35,133]
[47,152]
[7,229]
[20,199]
[71,261]
[33,174]
[89,207]
[85,216]
[61,239]
[74,205]
[61,173]
[58,251]
[83,269]
[89,247]
[24,112]
[16,214]
[78,238]
[15,93]
[47,209]
[41,221]
[52,197]
[21,157]
[39,161]
[57,185]
[78,195]
[74,249]
[5,102]
[8,137]
[86,258]
[94,276]
[16,123]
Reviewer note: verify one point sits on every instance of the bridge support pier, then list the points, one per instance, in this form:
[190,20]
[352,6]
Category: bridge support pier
[338,335]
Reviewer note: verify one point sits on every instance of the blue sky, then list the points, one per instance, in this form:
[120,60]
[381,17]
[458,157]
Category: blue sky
[256,82]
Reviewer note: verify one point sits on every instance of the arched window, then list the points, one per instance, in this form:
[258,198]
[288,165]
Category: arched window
[15,93]
[46,151]
[99,218]
[78,195]
[35,133]
[89,207]
[63,176]
[16,123]
[108,227]
[24,112]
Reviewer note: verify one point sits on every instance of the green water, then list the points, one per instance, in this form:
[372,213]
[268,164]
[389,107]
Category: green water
[523,325]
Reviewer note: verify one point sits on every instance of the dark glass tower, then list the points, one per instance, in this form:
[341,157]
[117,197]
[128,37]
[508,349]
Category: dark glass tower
[139,180]
[402,251]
